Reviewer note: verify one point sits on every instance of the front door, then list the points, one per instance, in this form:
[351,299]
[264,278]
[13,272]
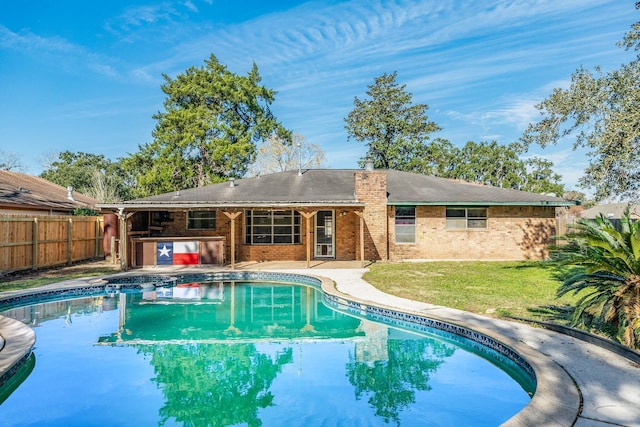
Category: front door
[324,235]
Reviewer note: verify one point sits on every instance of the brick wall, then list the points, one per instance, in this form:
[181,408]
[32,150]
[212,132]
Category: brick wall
[513,233]
[347,235]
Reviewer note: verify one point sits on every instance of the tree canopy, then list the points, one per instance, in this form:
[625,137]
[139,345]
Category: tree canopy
[75,169]
[208,131]
[499,165]
[90,174]
[395,131]
[600,112]
[490,163]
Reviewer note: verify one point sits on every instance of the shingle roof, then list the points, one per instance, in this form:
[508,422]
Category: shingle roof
[314,186]
[422,189]
[611,210]
[336,187]
[21,191]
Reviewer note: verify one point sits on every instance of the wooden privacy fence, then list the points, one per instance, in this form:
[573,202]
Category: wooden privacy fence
[48,241]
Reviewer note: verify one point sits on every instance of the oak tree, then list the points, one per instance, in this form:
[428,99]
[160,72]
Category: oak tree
[208,131]
[502,166]
[395,131]
[599,112]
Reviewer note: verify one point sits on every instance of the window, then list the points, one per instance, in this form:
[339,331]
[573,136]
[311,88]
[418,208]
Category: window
[405,224]
[464,218]
[201,220]
[272,227]
[159,217]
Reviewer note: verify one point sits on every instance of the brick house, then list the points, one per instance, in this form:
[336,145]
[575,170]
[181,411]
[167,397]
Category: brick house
[337,214]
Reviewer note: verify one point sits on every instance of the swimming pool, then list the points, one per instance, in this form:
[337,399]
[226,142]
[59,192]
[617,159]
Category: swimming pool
[209,351]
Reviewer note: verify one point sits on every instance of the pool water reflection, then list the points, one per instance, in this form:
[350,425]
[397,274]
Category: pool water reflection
[234,353]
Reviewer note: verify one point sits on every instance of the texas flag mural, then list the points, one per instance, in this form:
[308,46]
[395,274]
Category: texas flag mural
[177,253]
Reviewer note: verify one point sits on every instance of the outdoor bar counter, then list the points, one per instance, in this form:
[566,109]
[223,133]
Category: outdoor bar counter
[151,251]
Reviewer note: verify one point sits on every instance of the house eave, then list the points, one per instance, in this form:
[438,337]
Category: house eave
[239,205]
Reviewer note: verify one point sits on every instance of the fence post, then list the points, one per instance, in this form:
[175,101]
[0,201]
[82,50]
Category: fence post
[70,242]
[34,244]
[96,246]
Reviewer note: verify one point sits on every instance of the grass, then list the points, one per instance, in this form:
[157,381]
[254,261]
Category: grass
[520,289]
[29,279]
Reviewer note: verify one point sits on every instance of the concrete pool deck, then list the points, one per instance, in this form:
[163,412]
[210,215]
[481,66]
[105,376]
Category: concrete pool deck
[580,384]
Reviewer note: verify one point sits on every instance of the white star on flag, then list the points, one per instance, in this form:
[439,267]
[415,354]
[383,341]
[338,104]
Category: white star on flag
[164,251]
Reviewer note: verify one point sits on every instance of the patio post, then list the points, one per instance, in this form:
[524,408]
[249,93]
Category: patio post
[232,216]
[308,216]
[361,236]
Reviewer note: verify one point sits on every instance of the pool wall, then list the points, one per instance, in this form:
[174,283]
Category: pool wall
[19,339]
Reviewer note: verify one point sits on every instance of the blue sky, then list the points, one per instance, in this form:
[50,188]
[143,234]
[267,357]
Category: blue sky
[85,76]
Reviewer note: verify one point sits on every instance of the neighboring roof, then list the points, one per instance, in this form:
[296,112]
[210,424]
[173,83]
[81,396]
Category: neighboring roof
[21,191]
[325,187]
[610,210]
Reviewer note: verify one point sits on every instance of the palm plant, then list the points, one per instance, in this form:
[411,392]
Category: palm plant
[609,281]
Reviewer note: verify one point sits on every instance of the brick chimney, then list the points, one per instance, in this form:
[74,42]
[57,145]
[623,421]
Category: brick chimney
[371,189]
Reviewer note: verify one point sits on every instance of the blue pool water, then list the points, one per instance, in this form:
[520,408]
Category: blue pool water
[210,353]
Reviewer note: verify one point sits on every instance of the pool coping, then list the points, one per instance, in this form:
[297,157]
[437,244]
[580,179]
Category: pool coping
[557,400]
[17,341]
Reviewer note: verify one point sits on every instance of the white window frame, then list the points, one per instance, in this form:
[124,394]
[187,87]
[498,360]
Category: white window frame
[475,218]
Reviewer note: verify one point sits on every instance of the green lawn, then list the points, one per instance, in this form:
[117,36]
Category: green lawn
[30,279]
[520,289]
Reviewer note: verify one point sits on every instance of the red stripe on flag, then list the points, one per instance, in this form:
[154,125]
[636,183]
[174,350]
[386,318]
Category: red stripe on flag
[185,259]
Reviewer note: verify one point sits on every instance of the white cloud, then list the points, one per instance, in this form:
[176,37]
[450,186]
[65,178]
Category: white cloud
[31,42]
[189,5]
[58,51]
[519,113]
[140,16]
